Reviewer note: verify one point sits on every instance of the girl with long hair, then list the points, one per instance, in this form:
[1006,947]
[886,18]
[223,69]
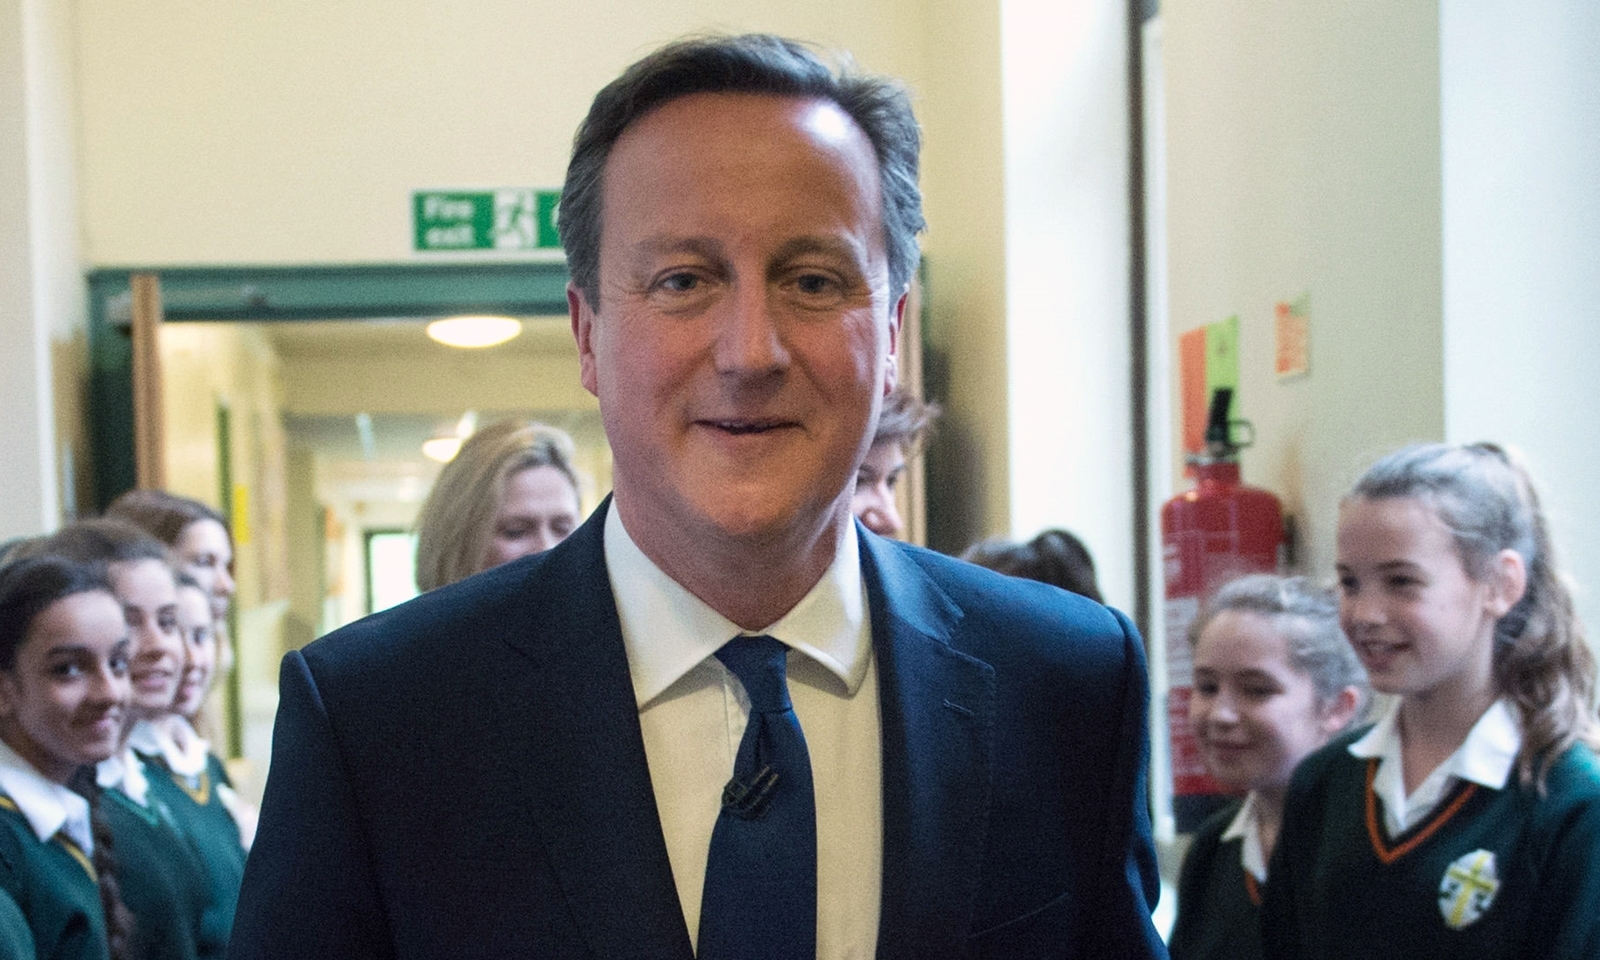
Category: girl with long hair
[1465,821]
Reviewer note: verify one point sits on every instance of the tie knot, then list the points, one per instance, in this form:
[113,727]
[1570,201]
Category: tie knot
[759,663]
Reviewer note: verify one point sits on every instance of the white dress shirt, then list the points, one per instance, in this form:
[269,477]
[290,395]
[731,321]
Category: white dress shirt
[49,807]
[1246,824]
[185,757]
[1485,758]
[124,771]
[693,711]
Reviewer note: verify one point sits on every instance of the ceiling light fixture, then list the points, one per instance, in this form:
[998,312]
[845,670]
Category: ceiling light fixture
[444,445]
[474,331]
[442,449]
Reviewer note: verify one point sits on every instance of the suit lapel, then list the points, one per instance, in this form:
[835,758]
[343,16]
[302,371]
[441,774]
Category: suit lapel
[937,707]
[580,768]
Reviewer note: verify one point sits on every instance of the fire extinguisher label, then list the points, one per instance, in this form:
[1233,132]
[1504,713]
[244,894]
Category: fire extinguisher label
[1180,612]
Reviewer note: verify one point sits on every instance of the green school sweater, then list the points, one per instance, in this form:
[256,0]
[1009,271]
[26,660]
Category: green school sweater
[16,940]
[160,876]
[1219,910]
[1489,874]
[201,817]
[54,886]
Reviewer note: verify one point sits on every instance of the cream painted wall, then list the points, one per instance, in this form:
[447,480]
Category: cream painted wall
[1067,261]
[295,133]
[204,366]
[41,292]
[1303,157]
[963,176]
[336,385]
[1521,156]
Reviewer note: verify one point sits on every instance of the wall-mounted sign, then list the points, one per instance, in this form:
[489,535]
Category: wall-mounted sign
[1293,335]
[507,219]
[1208,358]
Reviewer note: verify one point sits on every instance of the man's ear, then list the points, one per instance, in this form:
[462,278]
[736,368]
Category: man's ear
[892,357]
[583,333]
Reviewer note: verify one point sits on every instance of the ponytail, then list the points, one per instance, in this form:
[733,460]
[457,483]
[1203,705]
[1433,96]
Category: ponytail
[1542,659]
[119,921]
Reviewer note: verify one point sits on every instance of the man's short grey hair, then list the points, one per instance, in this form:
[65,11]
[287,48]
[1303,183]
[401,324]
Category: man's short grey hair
[755,64]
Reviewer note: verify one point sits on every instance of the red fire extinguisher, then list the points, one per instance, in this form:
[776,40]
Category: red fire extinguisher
[1211,534]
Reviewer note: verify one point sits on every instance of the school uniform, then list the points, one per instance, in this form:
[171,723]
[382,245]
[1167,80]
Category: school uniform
[1220,889]
[193,786]
[1471,865]
[16,940]
[158,870]
[45,867]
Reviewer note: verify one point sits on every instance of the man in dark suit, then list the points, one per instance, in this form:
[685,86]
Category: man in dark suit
[531,763]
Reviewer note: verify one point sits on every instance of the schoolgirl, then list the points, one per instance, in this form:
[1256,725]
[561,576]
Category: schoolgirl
[163,880]
[187,777]
[64,691]
[1274,680]
[202,548]
[1465,822]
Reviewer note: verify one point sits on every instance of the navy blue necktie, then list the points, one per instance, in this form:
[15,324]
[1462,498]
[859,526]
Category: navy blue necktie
[760,900]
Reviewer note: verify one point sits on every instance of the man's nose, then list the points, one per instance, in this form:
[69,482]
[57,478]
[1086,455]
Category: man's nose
[225,582]
[750,340]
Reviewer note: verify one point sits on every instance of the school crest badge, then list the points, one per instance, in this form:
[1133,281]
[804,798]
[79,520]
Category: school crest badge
[1468,888]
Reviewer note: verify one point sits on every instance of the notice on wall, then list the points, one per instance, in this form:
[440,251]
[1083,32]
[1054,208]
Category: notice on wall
[512,218]
[1208,358]
[1293,336]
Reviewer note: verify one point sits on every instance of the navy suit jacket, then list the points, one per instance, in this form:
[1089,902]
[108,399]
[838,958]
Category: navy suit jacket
[464,776]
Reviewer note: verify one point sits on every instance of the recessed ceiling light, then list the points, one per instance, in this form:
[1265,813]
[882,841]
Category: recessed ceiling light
[442,449]
[444,445]
[474,331]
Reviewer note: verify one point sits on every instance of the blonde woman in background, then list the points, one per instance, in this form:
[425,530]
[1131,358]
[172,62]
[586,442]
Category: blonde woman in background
[509,492]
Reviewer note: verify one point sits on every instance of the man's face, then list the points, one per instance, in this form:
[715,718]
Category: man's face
[745,332]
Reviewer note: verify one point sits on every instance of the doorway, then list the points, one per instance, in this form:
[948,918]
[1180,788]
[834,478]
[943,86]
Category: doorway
[297,401]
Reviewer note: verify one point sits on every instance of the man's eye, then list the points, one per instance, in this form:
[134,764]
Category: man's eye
[680,282]
[815,283]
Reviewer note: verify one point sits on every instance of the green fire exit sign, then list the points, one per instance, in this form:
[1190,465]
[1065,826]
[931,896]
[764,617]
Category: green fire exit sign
[507,219]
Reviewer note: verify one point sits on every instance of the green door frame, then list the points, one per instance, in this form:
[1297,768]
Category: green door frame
[288,294]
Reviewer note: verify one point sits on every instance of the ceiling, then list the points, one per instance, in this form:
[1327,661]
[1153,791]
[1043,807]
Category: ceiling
[376,451]
[402,337]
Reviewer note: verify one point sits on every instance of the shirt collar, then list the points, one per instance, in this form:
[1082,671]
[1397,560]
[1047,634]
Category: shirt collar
[49,807]
[668,630]
[185,756]
[123,771]
[1246,826]
[1486,757]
